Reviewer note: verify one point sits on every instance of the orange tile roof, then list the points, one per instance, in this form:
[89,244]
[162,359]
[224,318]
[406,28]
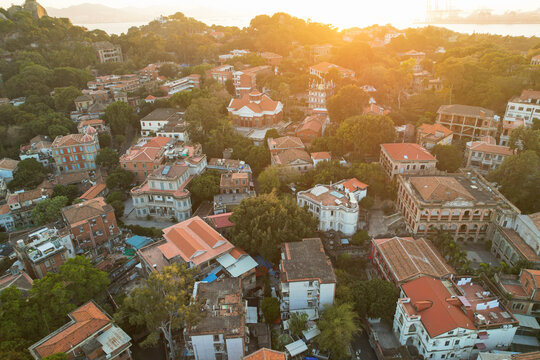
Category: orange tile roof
[440,188]
[407,152]
[237,253]
[8,164]
[221,221]
[289,156]
[534,355]
[490,148]
[535,275]
[323,155]
[195,240]
[354,184]
[72,139]
[530,94]
[266,354]
[93,192]
[286,142]
[408,258]
[441,316]
[265,104]
[86,320]
[149,151]
[432,129]
[312,123]
[325,67]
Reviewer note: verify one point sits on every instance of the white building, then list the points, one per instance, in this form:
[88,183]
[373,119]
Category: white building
[220,334]
[184,84]
[444,319]
[336,206]
[525,107]
[308,281]
[157,119]
[163,194]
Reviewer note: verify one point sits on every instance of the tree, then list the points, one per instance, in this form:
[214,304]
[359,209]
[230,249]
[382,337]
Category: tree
[270,133]
[202,116]
[205,186]
[373,175]
[349,101]
[48,210]
[449,157]
[364,134]
[120,179]
[229,86]
[360,237]
[298,323]
[118,116]
[452,252]
[82,280]
[69,191]
[105,140]
[270,309]
[29,174]
[263,223]
[31,80]
[64,98]
[108,158]
[168,70]
[523,139]
[269,180]
[337,326]
[519,180]
[258,158]
[163,304]
[119,208]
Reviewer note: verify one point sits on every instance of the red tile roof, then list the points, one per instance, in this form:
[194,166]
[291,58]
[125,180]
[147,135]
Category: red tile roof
[439,316]
[432,129]
[323,155]
[265,104]
[518,243]
[86,320]
[530,94]
[266,354]
[221,221]
[407,152]
[93,192]
[354,184]
[195,240]
[72,139]
[312,123]
[485,147]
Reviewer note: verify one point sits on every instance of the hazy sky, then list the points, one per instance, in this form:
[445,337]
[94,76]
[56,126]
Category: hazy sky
[341,13]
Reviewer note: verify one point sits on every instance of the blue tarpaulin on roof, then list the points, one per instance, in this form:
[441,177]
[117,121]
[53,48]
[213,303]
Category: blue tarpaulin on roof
[210,278]
[138,241]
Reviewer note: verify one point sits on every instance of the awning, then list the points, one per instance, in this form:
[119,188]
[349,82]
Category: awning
[216,270]
[480,346]
[209,278]
[138,241]
[296,348]
[311,333]
[527,321]
[483,335]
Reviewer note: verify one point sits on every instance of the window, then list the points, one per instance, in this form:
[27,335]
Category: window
[456,342]
[52,261]
[216,337]
[446,343]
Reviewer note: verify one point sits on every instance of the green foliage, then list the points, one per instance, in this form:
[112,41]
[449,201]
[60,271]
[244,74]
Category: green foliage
[168,70]
[270,133]
[268,180]
[108,158]
[171,306]
[203,116]
[452,252]
[114,196]
[229,86]
[64,98]
[349,101]
[360,238]
[119,208]
[118,116]
[523,139]
[57,356]
[32,80]
[338,324]
[519,180]
[105,140]
[364,134]
[71,192]
[298,323]
[264,222]
[449,157]
[270,309]
[204,187]
[120,179]
[29,174]
[367,202]
[144,231]
[373,175]
[48,210]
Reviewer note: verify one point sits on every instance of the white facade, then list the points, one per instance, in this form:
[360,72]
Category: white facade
[336,211]
[151,126]
[527,110]
[306,295]
[172,133]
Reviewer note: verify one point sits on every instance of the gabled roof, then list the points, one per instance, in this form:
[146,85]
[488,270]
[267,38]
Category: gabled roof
[440,188]
[221,221]
[433,129]
[325,67]
[291,155]
[266,104]
[353,184]
[285,142]
[21,281]
[93,192]
[312,123]
[466,110]
[442,316]
[407,152]
[8,164]
[535,274]
[490,148]
[266,354]
[72,139]
[149,151]
[530,94]
[194,240]
[323,155]
[408,258]
[85,322]
[86,210]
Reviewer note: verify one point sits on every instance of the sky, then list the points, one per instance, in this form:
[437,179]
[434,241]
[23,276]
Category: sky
[341,13]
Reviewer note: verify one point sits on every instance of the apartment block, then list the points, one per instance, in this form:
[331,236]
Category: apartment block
[321,88]
[468,123]
[522,292]
[76,152]
[93,226]
[336,205]
[145,156]
[163,194]
[221,333]
[406,158]
[44,250]
[454,318]
[429,135]
[525,107]
[308,281]
[107,52]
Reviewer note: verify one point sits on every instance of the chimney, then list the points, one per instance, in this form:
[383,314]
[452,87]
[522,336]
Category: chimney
[423,305]
[454,301]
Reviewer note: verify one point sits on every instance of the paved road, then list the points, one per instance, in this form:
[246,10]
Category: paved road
[361,342]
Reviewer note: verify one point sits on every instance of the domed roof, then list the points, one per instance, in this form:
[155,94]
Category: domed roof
[87,138]
[90,130]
